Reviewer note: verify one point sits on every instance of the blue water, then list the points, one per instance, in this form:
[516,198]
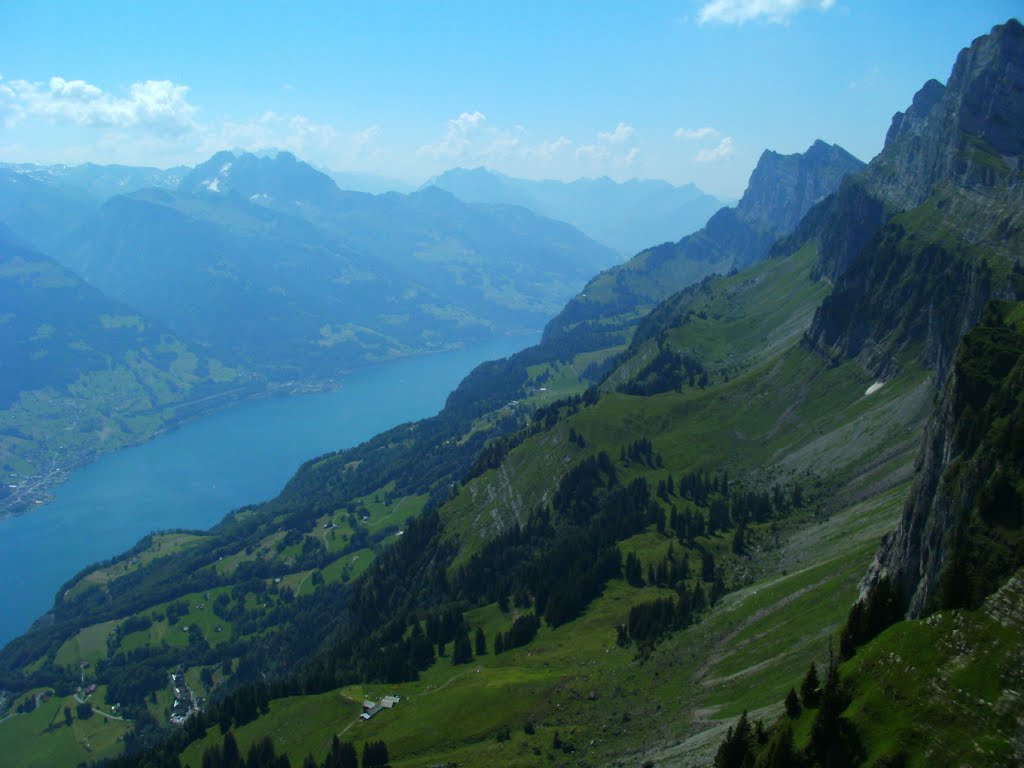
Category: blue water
[192,476]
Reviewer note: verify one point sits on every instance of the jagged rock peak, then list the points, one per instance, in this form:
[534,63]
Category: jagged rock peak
[980,109]
[988,85]
[282,177]
[916,114]
[782,188]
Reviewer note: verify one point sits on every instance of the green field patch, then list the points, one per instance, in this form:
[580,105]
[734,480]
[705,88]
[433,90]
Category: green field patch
[89,645]
[42,739]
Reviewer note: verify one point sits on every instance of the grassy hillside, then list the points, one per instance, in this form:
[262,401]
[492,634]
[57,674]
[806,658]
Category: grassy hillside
[771,415]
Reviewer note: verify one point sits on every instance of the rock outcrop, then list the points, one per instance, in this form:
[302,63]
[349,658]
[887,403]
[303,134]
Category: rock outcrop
[930,231]
[959,537]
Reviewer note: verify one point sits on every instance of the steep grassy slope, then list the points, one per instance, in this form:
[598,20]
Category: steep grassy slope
[770,414]
[942,687]
[781,190]
[606,701]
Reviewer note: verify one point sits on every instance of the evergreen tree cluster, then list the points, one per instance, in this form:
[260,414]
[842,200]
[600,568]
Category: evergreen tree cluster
[262,754]
[523,630]
[833,741]
[667,371]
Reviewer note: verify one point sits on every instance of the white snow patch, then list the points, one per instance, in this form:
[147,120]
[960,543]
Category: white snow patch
[874,388]
[259,196]
[225,168]
[213,186]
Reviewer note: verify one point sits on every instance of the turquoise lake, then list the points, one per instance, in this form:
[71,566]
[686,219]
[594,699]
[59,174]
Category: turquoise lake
[192,476]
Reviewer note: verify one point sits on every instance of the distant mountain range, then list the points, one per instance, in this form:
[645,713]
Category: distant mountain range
[369,183]
[102,181]
[627,216]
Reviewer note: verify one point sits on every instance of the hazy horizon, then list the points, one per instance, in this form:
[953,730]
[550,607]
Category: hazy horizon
[686,92]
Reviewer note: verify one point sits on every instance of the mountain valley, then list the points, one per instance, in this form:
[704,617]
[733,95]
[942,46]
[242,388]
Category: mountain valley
[754,499]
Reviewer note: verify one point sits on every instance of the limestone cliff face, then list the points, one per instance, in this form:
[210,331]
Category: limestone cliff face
[960,533]
[981,106]
[930,231]
[783,188]
[964,140]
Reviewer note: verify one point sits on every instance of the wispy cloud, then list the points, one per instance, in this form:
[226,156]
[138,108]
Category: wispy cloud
[296,133]
[622,133]
[609,150]
[868,81]
[726,148]
[696,133]
[742,11]
[158,106]
[365,136]
[471,138]
[458,139]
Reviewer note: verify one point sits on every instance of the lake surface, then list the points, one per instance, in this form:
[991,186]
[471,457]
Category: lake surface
[194,475]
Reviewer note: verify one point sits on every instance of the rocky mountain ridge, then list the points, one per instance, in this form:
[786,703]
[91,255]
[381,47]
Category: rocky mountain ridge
[937,217]
[782,188]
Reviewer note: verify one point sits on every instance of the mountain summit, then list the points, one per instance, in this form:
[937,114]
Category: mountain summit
[782,188]
[920,241]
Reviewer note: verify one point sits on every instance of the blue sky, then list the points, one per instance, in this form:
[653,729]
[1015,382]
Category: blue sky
[692,90]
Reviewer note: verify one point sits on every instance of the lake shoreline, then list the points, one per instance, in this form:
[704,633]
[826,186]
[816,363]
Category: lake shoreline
[191,475]
[38,491]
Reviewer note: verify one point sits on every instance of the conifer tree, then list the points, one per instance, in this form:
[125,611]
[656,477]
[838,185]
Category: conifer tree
[232,758]
[780,752]
[481,642]
[735,750]
[809,687]
[792,704]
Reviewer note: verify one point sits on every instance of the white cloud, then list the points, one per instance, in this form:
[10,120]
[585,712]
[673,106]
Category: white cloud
[457,140]
[295,133]
[742,11]
[621,134]
[696,133]
[610,150]
[157,106]
[724,149]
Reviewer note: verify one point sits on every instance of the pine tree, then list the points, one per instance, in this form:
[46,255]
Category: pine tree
[342,755]
[792,704]
[834,743]
[481,642]
[809,693]
[232,758]
[734,751]
[462,652]
[780,752]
